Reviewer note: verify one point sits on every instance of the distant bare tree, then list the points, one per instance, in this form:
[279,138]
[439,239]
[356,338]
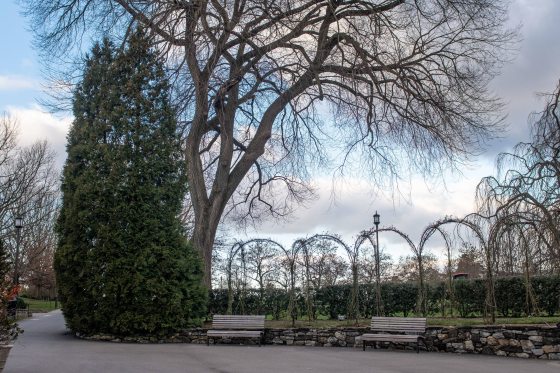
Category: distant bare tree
[261,258]
[39,242]
[353,253]
[290,263]
[28,189]
[400,77]
[367,265]
[337,270]
[326,266]
[407,269]
[470,260]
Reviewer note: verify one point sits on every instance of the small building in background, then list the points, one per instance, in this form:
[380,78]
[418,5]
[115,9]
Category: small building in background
[460,276]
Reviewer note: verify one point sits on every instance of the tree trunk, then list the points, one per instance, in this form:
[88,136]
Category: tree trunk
[490,308]
[203,240]
[353,309]
[421,307]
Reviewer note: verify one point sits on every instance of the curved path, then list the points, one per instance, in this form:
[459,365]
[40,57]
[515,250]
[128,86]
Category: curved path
[47,347]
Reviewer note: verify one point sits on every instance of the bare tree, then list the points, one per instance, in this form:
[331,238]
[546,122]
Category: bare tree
[470,260]
[526,188]
[325,266]
[28,189]
[231,271]
[337,270]
[290,262]
[249,75]
[407,269]
[353,253]
[39,241]
[523,202]
[261,262]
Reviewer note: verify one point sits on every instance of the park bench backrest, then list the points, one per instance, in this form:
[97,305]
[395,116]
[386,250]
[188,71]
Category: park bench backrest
[246,322]
[409,325]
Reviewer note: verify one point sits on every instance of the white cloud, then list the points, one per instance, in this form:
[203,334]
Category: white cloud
[17,82]
[34,124]
[535,68]
[356,202]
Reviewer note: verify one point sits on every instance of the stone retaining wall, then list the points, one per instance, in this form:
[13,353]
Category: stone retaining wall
[516,341]
[339,337]
[523,341]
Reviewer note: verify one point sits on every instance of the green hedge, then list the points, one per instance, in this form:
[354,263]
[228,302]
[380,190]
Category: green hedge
[470,297]
[399,299]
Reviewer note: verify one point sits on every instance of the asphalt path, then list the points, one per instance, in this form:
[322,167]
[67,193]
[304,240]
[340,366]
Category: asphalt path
[47,347]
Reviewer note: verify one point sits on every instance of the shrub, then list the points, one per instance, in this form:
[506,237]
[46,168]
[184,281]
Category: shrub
[9,329]
[547,291]
[510,296]
[470,296]
[399,299]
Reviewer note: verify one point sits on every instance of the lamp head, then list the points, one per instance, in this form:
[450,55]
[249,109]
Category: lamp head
[376,218]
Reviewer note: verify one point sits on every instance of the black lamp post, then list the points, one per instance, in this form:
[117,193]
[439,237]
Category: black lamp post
[377,267]
[18,224]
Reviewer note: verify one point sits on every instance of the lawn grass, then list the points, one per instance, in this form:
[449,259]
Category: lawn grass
[535,320]
[319,324]
[36,305]
[432,321]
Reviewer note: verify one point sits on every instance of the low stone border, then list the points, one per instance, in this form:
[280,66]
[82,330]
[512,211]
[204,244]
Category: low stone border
[517,341]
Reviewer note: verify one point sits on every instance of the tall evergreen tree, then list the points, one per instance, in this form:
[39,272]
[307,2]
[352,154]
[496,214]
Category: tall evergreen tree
[123,265]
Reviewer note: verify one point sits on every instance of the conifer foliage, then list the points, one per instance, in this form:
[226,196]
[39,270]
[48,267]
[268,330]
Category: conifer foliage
[123,264]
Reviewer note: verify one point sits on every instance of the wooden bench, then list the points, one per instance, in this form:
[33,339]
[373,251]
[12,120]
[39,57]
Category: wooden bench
[396,329]
[236,326]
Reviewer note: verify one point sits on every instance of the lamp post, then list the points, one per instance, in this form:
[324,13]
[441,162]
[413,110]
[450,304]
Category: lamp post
[18,224]
[377,267]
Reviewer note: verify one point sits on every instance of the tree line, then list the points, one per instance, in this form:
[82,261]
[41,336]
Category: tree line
[399,299]
[316,263]
[29,189]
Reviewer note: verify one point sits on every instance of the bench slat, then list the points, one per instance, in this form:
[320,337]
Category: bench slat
[241,333]
[390,337]
[237,326]
[238,322]
[404,329]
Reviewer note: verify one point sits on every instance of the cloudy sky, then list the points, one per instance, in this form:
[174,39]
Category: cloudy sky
[535,69]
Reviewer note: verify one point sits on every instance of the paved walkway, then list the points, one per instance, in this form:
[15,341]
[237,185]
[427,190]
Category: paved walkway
[46,347]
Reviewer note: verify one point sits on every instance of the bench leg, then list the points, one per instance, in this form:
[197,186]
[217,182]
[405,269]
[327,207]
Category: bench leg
[363,345]
[424,343]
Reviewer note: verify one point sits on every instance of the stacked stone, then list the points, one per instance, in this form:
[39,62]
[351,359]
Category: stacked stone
[523,342]
[314,337]
[530,342]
